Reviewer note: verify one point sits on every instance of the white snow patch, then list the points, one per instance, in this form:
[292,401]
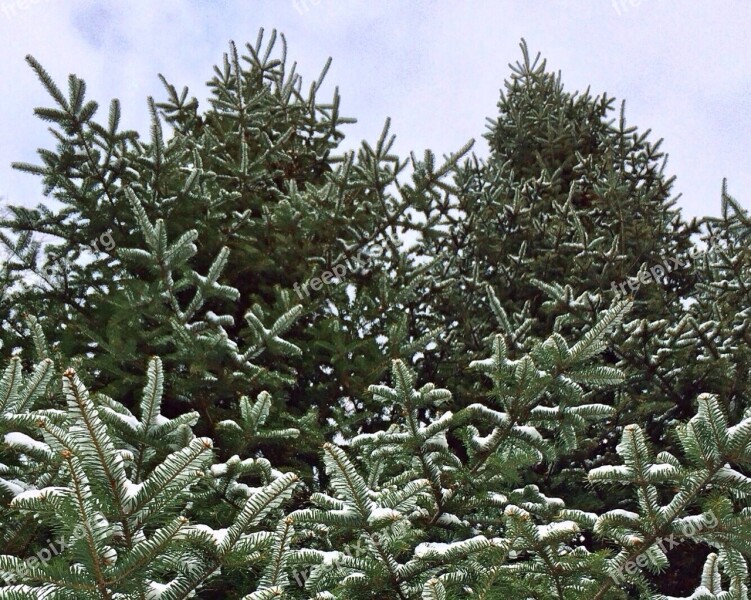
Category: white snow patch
[22,440]
[217,534]
[41,494]
[384,514]
[448,519]
[218,470]
[551,529]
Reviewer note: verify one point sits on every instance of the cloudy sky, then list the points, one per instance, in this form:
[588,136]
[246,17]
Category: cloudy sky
[434,67]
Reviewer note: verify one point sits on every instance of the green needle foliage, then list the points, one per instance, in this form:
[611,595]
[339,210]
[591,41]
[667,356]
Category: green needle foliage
[117,493]
[240,363]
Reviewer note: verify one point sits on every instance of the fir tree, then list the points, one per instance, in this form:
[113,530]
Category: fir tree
[185,413]
[248,189]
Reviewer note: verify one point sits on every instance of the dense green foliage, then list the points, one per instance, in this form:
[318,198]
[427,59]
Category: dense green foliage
[237,364]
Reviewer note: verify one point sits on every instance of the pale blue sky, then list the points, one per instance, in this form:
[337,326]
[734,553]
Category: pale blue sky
[436,68]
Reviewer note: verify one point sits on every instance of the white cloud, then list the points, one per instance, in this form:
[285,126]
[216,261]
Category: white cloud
[435,68]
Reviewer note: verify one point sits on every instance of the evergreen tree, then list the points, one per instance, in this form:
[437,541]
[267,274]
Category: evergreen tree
[115,493]
[248,189]
[186,411]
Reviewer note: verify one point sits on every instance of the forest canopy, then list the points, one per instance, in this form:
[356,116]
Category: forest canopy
[544,394]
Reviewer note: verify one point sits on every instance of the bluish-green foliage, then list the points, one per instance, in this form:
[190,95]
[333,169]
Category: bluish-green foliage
[205,393]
